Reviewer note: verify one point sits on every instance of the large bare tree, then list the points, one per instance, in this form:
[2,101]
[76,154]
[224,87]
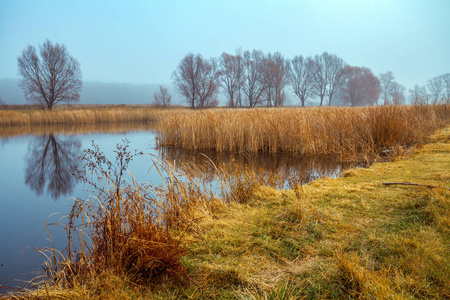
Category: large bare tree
[360,86]
[256,80]
[277,70]
[197,79]
[231,69]
[162,98]
[301,77]
[53,77]
[320,77]
[334,66]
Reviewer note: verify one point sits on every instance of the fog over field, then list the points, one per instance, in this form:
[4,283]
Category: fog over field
[95,92]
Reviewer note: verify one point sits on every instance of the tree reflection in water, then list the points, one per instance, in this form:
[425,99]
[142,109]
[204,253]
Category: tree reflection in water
[50,163]
[289,169]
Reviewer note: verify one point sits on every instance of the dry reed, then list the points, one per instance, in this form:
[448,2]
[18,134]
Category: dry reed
[80,115]
[361,132]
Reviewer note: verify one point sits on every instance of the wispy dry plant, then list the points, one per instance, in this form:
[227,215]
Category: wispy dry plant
[129,228]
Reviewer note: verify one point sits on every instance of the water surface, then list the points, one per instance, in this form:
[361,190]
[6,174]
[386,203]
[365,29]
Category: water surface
[37,186]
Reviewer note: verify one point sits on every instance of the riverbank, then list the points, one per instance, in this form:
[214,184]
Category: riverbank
[332,238]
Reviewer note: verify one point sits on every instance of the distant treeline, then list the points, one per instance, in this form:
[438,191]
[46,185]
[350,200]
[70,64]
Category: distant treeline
[93,92]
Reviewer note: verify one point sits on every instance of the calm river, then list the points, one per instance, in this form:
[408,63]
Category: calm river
[37,186]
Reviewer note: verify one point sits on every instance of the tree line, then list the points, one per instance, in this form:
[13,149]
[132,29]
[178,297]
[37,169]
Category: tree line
[246,78]
[253,78]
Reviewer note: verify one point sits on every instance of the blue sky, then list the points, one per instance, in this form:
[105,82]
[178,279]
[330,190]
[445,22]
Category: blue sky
[143,41]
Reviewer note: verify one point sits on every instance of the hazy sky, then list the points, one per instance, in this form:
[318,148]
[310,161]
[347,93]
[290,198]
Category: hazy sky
[143,41]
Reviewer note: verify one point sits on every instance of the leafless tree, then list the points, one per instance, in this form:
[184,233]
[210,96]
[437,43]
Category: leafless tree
[197,80]
[360,86]
[387,84]
[210,84]
[277,70]
[418,95]
[53,77]
[397,94]
[334,66]
[320,77]
[301,77]
[256,80]
[446,81]
[162,98]
[1,102]
[435,87]
[231,70]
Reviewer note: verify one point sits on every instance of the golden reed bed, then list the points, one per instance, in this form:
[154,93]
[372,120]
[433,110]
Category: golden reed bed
[80,115]
[348,132]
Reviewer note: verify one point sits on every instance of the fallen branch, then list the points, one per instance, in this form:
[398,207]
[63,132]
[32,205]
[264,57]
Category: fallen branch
[415,184]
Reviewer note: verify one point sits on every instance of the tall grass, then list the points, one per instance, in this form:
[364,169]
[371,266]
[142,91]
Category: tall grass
[81,115]
[348,132]
[111,128]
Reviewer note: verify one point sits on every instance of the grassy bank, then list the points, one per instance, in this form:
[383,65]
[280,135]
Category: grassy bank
[350,237]
[349,132]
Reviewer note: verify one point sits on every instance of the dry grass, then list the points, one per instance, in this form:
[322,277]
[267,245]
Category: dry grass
[75,115]
[361,132]
[114,128]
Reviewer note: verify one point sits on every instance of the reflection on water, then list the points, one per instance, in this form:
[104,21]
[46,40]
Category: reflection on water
[49,164]
[297,169]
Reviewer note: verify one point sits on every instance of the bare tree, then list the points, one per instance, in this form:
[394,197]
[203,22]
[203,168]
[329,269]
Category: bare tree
[53,77]
[418,95]
[197,80]
[210,83]
[397,94]
[277,70]
[241,70]
[2,103]
[301,77]
[435,87]
[256,80]
[446,81]
[387,84]
[320,77]
[333,73]
[231,77]
[162,98]
[360,86]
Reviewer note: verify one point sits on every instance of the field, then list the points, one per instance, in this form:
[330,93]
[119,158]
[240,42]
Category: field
[350,237]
